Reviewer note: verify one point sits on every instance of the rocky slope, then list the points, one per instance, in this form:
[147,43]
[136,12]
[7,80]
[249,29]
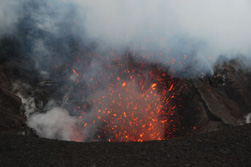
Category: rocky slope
[11,114]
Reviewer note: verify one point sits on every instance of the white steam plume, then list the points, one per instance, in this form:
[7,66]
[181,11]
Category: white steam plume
[55,124]
[211,28]
[205,29]
[248,118]
[9,16]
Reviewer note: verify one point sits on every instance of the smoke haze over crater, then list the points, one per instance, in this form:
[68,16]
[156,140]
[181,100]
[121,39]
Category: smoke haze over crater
[196,28]
[210,28]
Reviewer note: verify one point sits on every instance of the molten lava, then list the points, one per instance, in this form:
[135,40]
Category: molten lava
[131,102]
[132,115]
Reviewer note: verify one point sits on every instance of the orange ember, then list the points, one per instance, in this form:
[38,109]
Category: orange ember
[131,115]
[133,103]
[75,72]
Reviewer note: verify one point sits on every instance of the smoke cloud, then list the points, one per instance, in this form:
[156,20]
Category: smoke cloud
[8,17]
[202,30]
[248,118]
[208,28]
[55,124]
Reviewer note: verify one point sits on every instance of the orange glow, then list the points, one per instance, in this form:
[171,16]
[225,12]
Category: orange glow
[124,84]
[134,103]
[154,85]
[75,72]
[131,117]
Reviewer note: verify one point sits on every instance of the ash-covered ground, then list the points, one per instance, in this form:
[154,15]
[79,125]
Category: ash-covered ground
[228,147]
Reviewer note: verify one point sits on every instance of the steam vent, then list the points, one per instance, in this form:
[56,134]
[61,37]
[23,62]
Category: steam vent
[125,83]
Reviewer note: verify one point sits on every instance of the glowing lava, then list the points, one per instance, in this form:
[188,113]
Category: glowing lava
[131,102]
[131,115]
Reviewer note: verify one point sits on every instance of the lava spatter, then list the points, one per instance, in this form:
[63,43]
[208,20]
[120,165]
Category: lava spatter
[134,103]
